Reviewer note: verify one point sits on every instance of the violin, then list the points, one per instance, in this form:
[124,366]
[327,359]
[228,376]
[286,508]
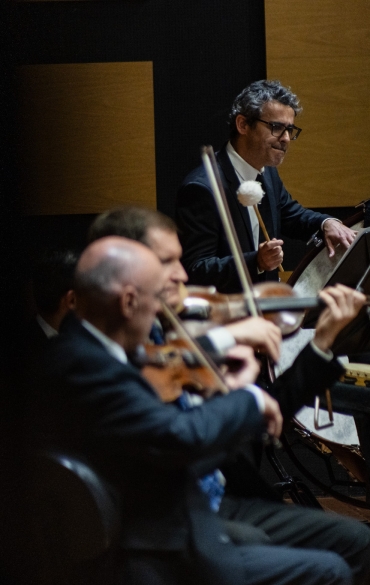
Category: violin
[175,367]
[182,364]
[278,302]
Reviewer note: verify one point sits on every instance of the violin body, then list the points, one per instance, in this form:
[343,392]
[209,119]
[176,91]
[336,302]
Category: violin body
[287,319]
[173,368]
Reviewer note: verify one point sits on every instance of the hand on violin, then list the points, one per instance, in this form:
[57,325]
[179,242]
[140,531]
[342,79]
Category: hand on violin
[259,333]
[272,415]
[342,305]
[270,254]
[335,233]
[249,371]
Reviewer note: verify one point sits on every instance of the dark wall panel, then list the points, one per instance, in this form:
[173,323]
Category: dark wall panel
[203,53]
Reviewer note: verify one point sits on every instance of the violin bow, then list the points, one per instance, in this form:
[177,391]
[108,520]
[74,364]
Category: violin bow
[210,164]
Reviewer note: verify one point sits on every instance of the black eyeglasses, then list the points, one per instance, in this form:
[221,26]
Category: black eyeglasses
[278,129]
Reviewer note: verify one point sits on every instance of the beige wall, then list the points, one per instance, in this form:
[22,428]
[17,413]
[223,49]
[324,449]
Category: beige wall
[86,136]
[321,49]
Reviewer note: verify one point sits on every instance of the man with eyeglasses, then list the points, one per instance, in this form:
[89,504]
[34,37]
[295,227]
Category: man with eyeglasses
[261,128]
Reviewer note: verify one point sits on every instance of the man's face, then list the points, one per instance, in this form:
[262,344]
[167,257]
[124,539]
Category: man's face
[166,246]
[257,145]
[149,296]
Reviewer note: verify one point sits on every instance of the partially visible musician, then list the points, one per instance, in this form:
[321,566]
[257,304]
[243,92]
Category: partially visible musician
[52,299]
[262,126]
[52,287]
[266,520]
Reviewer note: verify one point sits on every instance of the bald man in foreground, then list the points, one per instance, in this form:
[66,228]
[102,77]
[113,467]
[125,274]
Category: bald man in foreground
[101,407]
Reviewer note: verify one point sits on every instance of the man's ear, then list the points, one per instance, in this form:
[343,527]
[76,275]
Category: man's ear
[241,124]
[129,301]
[70,299]
[67,302]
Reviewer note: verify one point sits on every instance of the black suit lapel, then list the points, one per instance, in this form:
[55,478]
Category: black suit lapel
[266,206]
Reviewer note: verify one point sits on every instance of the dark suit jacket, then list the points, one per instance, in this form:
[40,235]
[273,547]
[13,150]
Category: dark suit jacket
[206,253]
[34,338]
[309,376]
[32,344]
[87,402]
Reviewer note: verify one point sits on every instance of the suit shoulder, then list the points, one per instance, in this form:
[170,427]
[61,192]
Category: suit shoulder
[196,176]
[76,350]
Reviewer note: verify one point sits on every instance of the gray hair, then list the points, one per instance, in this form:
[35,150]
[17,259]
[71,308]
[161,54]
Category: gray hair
[250,101]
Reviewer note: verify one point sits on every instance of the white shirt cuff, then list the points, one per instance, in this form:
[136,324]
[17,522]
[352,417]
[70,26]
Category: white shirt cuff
[327,219]
[326,355]
[258,395]
[221,339]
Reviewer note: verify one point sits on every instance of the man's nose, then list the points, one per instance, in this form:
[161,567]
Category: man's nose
[179,273]
[285,136]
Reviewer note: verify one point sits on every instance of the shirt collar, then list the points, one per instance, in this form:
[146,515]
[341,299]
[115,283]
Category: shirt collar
[47,329]
[243,169]
[112,347]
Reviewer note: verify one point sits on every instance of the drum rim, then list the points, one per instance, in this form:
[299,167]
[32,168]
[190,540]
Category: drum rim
[307,258]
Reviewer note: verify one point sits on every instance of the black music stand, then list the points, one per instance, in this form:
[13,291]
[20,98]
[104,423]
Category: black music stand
[352,270]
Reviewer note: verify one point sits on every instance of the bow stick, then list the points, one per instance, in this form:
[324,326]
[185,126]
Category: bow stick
[214,178]
[210,164]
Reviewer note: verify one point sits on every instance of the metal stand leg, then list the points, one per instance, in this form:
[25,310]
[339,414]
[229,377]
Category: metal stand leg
[294,487]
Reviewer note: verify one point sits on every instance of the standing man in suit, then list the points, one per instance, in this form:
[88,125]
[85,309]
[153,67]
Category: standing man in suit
[103,408]
[261,128]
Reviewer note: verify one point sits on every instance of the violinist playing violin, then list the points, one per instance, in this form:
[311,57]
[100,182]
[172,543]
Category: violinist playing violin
[262,126]
[241,505]
[159,233]
[91,401]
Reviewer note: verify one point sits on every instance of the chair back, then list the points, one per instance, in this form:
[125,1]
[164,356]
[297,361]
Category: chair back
[74,516]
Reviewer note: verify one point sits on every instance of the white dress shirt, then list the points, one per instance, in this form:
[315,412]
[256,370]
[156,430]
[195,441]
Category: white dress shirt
[246,172]
[47,329]
[112,347]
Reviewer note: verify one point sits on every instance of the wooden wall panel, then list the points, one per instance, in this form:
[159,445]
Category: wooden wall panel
[321,49]
[86,136]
